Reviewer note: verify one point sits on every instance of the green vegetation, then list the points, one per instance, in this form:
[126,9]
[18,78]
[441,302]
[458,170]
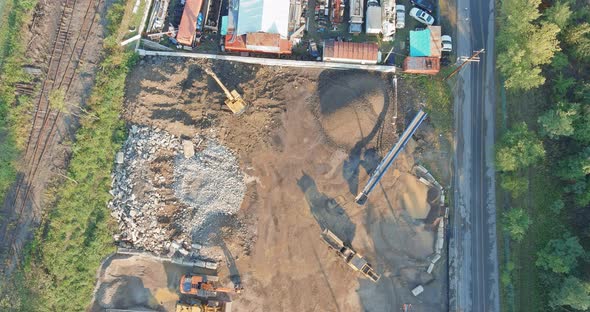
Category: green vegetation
[15,15]
[516,222]
[544,154]
[513,183]
[438,98]
[59,274]
[560,255]
[572,292]
[518,149]
[525,43]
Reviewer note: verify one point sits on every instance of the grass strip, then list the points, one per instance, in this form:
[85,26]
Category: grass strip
[14,120]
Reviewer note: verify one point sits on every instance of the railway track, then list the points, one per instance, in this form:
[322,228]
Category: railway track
[65,57]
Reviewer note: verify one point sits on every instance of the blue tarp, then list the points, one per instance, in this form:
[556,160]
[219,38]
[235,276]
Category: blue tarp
[224,22]
[420,43]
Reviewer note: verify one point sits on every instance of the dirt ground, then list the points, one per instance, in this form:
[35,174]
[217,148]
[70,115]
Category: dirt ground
[306,144]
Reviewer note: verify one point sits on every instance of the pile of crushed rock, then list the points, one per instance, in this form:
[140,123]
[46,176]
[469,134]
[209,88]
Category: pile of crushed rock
[168,193]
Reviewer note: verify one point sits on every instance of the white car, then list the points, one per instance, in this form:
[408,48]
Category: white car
[400,16]
[447,43]
[422,16]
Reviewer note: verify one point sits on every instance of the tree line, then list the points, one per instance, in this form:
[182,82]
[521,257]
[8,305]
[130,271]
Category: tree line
[545,45]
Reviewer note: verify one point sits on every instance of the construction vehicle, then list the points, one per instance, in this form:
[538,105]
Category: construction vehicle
[203,286]
[351,257]
[198,306]
[378,173]
[234,100]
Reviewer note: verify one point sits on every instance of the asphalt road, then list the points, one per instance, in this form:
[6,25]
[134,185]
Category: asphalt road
[474,246]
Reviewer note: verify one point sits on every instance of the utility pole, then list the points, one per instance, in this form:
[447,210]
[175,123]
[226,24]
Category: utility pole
[472,58]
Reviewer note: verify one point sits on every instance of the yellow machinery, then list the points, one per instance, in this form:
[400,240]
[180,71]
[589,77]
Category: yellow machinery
[211,306]
[234,100]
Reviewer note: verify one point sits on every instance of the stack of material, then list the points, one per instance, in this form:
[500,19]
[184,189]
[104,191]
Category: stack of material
[159,12]
[164,190]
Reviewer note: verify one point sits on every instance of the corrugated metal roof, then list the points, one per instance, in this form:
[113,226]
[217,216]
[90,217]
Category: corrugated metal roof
[271,16]
[373,25]
[239,44]
[351,51]
[263,42]
[188,22]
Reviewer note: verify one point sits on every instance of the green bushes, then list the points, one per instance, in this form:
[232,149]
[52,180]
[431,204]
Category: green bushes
[13,120]
[439,104]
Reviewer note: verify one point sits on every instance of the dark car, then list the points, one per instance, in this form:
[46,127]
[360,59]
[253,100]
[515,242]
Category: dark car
[425,5]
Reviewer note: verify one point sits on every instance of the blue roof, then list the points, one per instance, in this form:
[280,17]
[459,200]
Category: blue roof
[420,42]
[224,22]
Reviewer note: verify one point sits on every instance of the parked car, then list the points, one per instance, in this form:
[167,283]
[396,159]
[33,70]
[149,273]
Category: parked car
[400,16]
[422,16]
[447,43]
[425,5]
[313,50]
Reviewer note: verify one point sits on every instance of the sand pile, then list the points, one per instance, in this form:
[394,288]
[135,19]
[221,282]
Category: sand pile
[350,107]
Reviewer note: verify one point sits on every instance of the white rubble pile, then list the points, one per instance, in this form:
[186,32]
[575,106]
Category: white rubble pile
[211,183]
[164,189]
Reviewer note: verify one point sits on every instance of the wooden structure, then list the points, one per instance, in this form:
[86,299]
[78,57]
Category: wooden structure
[421,65]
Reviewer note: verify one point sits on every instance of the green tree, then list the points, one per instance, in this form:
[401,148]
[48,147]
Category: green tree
[518,148]
[562,85]
[557,206]
[572,292]
[582,126]
[559,14]
[576,166]
[560,255]
[559,61]
[524,44]
[578,38]
[516,223]
[514,184]
[582,92]
[581,191]
[560,121]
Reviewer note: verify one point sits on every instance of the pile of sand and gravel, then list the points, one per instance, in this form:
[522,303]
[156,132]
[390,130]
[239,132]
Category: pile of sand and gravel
[165,191]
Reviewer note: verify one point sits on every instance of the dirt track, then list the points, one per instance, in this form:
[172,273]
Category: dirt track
[306,144]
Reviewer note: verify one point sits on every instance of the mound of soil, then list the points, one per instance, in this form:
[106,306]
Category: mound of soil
[351,106]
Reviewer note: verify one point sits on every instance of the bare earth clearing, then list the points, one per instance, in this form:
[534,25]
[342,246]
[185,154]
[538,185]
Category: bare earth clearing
[305,145]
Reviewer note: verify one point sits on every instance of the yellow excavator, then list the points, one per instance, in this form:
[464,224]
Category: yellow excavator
[234,100]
